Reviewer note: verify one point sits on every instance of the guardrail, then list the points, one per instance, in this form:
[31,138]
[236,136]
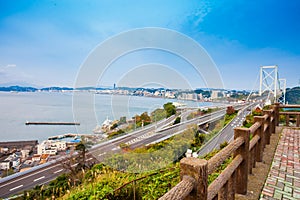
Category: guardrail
[293,115]
[234,178]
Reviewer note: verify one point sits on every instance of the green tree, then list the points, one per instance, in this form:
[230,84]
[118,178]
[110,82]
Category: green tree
[158,115]
[81,148]
[122,120]
[199,139]
[177,120]
[145,118]
[170,109]
[115,125]
[293,95]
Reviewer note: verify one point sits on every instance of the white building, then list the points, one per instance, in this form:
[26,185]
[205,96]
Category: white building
[200,96]
[12,160]
[5,164]
[106,125]
[215,94]
[36,158]
[170,95]
[25,153]
[188,96]
[4,149]
[16,162]
[51,147]
[60,145]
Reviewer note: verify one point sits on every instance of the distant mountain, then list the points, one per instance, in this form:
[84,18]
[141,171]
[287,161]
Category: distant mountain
[18,89]
[56,88]
[292,95]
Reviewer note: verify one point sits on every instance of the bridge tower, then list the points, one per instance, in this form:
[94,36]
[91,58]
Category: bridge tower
[282,87]
[270,82]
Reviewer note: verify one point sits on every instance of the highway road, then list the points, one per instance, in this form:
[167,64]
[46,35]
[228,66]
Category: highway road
[153,133]
[170,131]
[45,173]
[227,133]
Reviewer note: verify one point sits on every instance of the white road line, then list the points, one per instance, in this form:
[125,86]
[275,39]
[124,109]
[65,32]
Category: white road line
[74,165]
[89,159]
[29,175]
[101,154]
[38,179]
[57,171]
[15,188]
[147,135]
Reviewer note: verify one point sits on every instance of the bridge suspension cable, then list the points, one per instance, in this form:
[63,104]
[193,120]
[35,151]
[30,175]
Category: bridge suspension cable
[253,88]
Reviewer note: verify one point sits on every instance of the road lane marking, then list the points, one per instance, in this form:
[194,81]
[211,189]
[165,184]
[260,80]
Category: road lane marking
[101,154]
[15,188]
[37,179]
[29,175]
[74,165]
[116,148]
[140,138]
[57,171]
[89,159]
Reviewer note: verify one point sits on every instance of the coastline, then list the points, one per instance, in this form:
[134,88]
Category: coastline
[57,106]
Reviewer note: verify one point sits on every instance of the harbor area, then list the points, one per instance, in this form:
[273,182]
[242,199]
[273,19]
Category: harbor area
[18,156]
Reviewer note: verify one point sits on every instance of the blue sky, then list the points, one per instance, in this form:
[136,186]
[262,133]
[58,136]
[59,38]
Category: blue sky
[45,43]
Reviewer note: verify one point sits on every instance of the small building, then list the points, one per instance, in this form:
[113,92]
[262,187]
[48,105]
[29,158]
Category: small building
[36,157]
[15,158]
[60,145]
[11,161]
[44,158]
[25,153]
[5,164]
[4,150]
[16,161]
[106,125]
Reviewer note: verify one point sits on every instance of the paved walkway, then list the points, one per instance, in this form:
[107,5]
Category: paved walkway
[283,181]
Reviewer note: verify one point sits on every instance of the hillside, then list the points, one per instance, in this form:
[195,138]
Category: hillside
[142,173]
[293,95]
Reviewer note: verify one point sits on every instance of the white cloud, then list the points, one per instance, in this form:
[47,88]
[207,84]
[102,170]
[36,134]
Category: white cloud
[12,74]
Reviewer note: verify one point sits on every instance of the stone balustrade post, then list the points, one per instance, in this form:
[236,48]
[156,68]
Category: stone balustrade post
[242,170]
[261,143]
[197,169]
[276,113]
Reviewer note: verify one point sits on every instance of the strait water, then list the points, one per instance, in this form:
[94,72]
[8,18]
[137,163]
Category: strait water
[87,108]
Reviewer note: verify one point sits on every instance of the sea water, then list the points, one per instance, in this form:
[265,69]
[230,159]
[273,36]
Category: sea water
[87,108]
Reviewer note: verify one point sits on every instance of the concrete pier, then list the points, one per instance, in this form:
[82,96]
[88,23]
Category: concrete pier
[52,123]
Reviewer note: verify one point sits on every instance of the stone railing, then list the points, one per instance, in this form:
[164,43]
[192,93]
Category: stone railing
[234,178]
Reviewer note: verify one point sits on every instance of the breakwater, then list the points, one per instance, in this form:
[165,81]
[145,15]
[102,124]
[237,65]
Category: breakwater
[52,123]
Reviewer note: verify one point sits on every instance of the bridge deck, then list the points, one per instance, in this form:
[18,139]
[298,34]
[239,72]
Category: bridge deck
[283,181]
